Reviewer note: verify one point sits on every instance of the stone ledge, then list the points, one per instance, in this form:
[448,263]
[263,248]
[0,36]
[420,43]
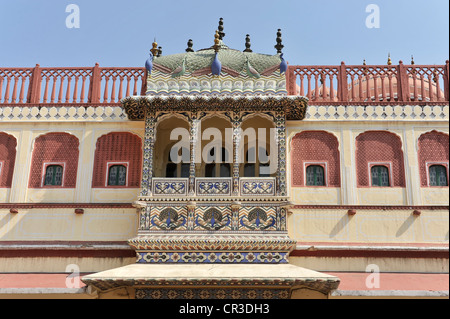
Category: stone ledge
[212,276]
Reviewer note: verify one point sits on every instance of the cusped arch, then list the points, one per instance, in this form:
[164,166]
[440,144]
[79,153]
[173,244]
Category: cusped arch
[433,148]
[379,148]
[60,148]
[315,148]
[118,148]
[8,150]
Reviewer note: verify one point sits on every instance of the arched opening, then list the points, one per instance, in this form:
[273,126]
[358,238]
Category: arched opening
[433,159]
[216,148]
[375,149]
[8,146]
[171,157]
[54,161]
[257,147]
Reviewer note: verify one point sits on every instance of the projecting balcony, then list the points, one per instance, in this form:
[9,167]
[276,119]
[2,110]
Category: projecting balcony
[213,187]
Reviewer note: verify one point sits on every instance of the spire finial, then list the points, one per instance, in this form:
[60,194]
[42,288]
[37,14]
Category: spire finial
[190,44]
[389,59]
[154,49]
[248,44]
[412,60]
[216,42]
[220,29]
[279,46]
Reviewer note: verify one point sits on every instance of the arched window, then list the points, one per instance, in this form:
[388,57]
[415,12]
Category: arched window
[318,151]
[54,175]
[380,176]
[54,161]
[315,175]
[438,175]
[8,146]
[433,159]
[117,175]
[118,148]
[378,148]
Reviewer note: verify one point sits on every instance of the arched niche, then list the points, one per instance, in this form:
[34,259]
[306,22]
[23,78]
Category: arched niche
[172,132]
[257,144]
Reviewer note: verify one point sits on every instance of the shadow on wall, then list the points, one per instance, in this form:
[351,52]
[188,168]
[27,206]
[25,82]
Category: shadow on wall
[342,223]
[406,225]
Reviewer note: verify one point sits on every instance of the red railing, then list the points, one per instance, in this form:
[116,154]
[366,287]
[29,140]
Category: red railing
[343,84]
[47,86]
[370,84]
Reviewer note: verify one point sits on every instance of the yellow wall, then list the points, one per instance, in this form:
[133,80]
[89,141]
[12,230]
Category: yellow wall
[346,133]
[369,225]
[46,224]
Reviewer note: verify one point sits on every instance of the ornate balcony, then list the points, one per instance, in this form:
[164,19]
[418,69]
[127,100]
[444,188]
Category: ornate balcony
[214,187]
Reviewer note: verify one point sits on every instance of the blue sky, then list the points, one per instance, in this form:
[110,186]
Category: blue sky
[315,32]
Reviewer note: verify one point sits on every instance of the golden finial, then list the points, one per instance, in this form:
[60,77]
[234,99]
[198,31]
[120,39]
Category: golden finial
[216,41]
[412,60]
[154,50]
[389,59]
[364,62]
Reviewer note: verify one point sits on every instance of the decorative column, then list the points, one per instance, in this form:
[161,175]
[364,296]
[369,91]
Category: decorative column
[149,145]
[193,139]
[236,151]
[280,118]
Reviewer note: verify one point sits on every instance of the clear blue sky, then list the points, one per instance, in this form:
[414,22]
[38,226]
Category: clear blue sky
[321,32]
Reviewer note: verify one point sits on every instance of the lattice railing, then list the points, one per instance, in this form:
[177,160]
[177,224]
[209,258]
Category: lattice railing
[370,84]
[68,86]
[342,84]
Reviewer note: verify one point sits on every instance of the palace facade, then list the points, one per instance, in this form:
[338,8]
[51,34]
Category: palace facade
[223,173]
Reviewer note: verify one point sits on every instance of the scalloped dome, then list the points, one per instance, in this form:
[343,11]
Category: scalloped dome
[232,60]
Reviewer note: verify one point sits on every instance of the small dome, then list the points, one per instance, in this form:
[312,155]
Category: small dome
[322,96]
[357,93]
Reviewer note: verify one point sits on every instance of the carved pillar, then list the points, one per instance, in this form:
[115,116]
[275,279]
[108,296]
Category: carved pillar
[236,150]
[194,140]
[149,145]
[280,119]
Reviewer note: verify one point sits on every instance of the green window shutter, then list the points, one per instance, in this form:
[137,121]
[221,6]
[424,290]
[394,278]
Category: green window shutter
[380,176]
[53,175]
[438,175]
[315,175]
[117,175]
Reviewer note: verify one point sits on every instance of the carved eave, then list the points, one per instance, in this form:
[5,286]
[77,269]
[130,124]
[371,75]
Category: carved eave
[294,107]
[223,276]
